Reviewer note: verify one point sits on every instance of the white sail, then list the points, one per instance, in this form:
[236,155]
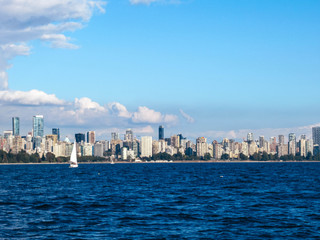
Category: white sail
[73,158]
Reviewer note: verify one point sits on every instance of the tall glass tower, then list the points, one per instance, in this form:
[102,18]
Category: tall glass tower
[56,131]
[38,126]
[161,132]
[16,126]
[316,135]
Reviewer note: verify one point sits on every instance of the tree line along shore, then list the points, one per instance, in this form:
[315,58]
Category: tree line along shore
[23,157]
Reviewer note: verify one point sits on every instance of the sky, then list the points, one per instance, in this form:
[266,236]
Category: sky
[211,68]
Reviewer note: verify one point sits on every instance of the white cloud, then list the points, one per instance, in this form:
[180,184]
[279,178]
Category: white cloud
[147,115]
[85,103]
[186,116]
[119,109]
[25,20]
[144,130]
[7,52]
[33,97]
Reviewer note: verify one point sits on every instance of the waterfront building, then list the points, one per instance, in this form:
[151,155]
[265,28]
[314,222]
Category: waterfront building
[202,146]
[146,146]
[16,126]
[161,132]
[86,149]
[53,137]
[17,144]
[62,149]
[124,153]
[252,148]
[115,136]
[155,147]
[302,147]
[129,135]
[37,143]
[116,146]
[281,139]
[245,148]
[261,142]
[131,155]
[136,147]
[282,149]
[91,137]
[56,131]
[250,137]
[48,144]
[98,149]
[162,145]
[316,135]
[80,137]
[292,144]
[273,145]
[38,126]
[309,146]
[175,141]
[68,149]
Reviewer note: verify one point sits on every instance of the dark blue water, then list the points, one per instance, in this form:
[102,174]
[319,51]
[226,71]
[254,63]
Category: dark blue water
[161,201]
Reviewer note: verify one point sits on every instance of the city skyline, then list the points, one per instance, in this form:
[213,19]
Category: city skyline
[203,68]
[89,136]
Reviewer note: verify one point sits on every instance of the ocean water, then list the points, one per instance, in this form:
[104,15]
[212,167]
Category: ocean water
[161,201]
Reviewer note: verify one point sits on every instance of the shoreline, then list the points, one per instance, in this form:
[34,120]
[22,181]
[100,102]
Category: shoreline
[191,161]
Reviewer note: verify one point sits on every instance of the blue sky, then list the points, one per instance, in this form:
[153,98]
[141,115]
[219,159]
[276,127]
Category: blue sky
[229,65]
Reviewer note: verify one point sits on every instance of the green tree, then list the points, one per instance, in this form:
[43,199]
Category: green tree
[207,156]
[50,157]
[243,156]
[225,156]
[265,156]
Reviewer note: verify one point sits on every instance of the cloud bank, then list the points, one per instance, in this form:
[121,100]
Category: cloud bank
[25,20]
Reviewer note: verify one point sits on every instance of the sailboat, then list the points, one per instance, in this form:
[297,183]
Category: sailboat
[73,158]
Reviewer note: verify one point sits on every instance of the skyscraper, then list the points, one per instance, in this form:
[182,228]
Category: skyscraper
[161,132]
[292,144]
[56,131]
[316,135]
[38,126]
[250,137]
[115,136]
[129,135]
[91,137]
[281,139]
[79,137]
[146,146]
[16,126]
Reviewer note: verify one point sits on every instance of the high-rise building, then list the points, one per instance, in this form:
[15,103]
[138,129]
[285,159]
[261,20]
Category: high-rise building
[146,146]
[161,132]
[91,137]
[302,147]
[281,139]
[115,136]
[250,137]
[261,141]
[129,135]
[80,137]
[175,141]
[56,131]
[292,144]
[316,135]
[202,146]
[38,126]
[16,126]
